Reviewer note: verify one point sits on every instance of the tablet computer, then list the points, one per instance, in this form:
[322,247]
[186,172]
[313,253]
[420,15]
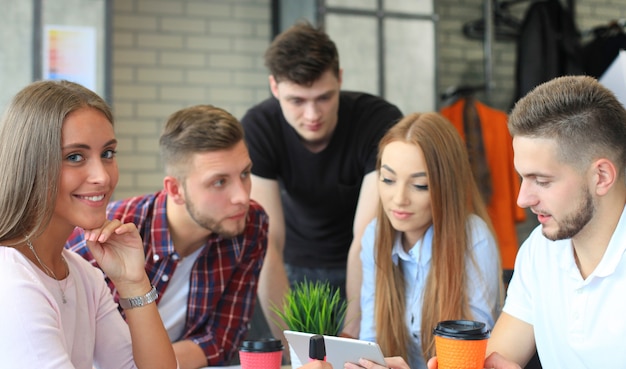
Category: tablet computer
[339,350]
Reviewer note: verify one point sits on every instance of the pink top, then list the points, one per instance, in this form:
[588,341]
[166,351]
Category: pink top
[39,331]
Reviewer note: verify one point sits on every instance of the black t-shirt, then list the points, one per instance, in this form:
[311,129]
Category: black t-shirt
[319,190]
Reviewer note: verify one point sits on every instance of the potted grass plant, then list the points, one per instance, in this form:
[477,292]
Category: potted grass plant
[312,307]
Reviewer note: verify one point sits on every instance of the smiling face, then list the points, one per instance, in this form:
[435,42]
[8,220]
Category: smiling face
[310,110]
[403,190]
[556,192]
[89,171]
[216,190]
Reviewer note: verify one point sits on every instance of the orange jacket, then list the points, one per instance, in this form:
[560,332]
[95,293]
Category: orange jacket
[497,141]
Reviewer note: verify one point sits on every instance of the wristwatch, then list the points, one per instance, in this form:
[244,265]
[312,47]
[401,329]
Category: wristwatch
[138,301]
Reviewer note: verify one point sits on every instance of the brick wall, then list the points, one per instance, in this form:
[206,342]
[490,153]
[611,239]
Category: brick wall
[174,53]
[170,54]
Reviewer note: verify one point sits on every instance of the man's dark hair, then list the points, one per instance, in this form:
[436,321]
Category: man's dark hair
[301,54]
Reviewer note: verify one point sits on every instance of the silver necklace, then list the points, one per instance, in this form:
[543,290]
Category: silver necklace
[49,271]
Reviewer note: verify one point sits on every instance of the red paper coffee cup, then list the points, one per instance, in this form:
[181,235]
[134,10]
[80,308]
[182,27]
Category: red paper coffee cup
[461,344]
[261,354]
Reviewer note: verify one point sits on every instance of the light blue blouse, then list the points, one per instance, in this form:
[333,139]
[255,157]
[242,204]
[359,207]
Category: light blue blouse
[482,278]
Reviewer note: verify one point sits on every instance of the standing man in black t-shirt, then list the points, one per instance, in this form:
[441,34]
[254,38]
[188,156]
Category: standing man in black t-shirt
[313,149]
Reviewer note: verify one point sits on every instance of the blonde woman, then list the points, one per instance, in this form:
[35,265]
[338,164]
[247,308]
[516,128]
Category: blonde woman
[57,156]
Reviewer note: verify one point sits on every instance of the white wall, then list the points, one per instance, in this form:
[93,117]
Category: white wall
[16,20]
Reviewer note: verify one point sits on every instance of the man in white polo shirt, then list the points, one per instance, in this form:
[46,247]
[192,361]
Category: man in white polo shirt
[567,296]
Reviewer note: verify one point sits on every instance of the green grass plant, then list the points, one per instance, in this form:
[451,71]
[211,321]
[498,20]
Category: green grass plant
[313,307]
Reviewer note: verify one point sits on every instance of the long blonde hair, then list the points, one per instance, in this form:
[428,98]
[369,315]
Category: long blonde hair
[30,153]
[454,196]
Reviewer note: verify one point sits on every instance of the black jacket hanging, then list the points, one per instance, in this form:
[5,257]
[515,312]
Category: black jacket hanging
[599,53]
[548,46]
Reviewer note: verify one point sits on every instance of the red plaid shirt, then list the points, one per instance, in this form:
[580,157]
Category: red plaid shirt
[223,283]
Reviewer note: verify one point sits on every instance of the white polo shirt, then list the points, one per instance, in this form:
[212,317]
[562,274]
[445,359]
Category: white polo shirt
[578,323]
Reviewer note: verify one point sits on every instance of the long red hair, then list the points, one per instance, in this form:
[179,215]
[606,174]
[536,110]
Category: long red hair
[454,197]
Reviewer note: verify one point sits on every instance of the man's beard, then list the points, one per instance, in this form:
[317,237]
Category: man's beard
[575,222]
[211,224]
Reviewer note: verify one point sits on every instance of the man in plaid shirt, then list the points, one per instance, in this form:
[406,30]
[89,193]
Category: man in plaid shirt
[204,238]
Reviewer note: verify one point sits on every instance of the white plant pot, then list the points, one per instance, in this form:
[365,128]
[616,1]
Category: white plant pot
[295,361]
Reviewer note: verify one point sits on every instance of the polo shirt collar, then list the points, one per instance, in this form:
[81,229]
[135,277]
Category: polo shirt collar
[615,250]
[610,260]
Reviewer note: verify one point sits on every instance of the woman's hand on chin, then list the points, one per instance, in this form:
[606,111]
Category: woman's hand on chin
[118,250]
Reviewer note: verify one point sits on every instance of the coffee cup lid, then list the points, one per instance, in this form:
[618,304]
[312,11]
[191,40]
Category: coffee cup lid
[462,329]
[262,345]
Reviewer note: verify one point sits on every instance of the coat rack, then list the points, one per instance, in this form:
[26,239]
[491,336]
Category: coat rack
[497,24]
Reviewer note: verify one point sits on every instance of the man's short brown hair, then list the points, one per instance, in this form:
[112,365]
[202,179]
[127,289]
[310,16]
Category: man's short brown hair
[301,54]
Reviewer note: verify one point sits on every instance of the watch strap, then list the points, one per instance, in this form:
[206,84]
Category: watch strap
[138,301]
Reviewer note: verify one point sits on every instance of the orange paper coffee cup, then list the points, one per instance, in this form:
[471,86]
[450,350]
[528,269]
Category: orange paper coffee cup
[461,344]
